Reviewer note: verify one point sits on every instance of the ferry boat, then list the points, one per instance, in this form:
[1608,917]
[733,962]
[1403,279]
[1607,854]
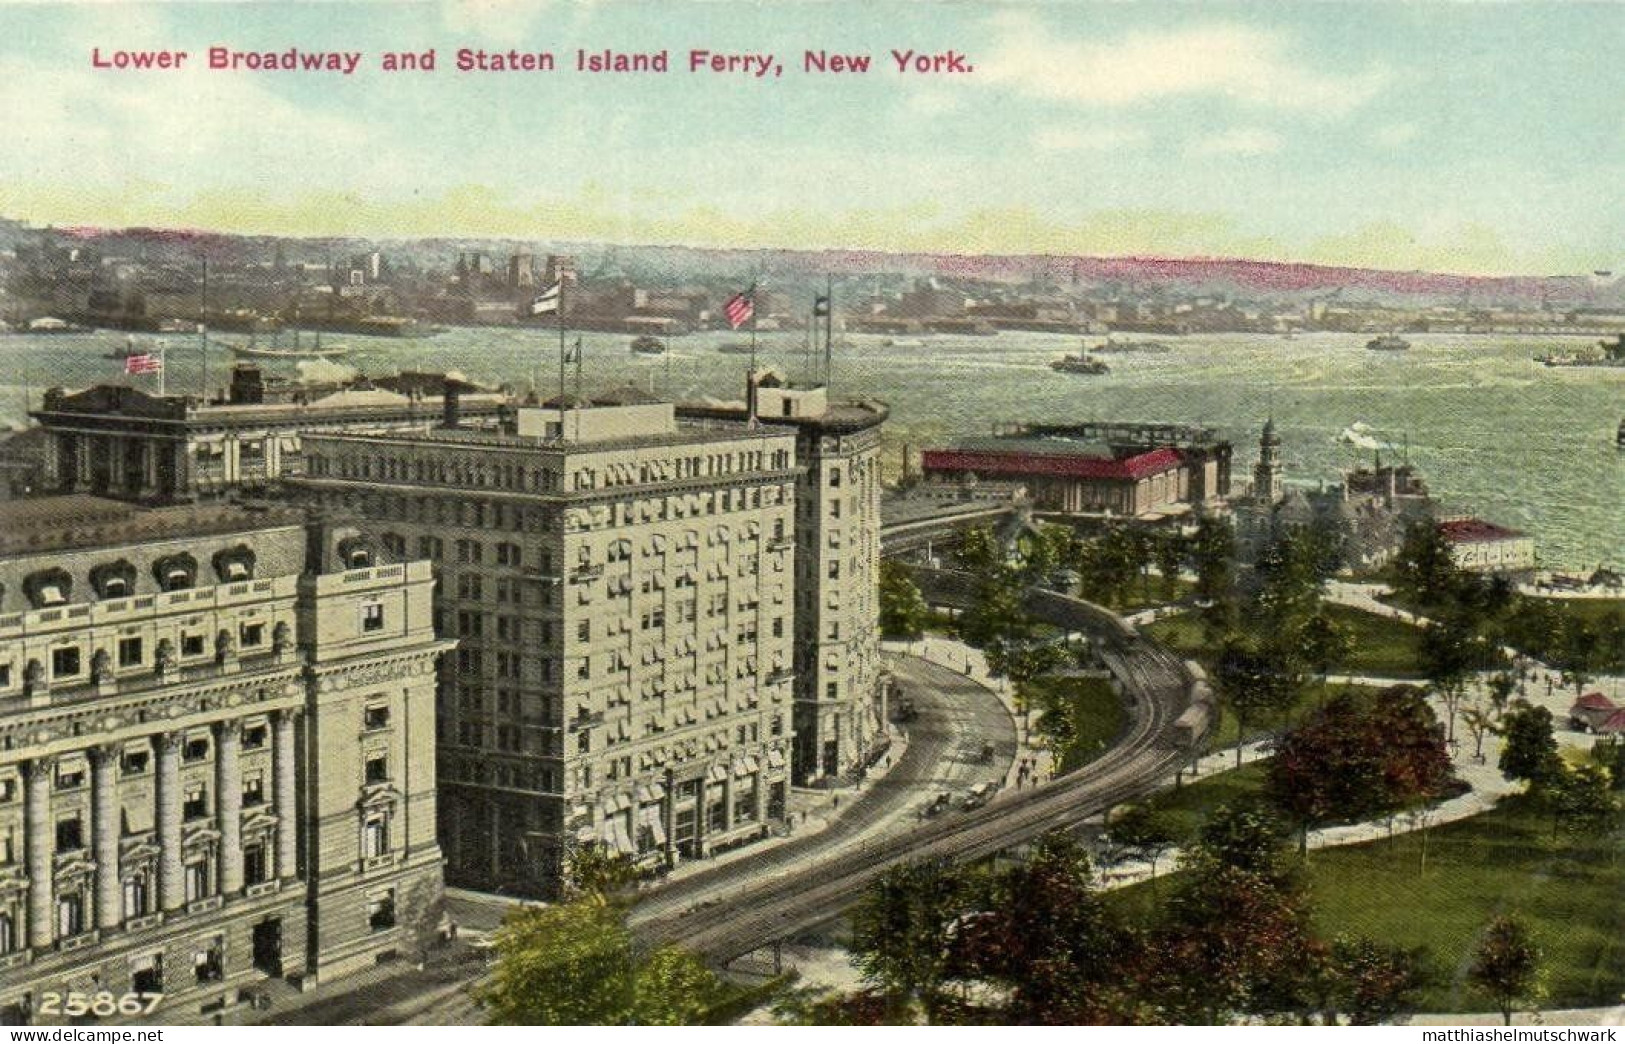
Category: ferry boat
[904,342]
[252,350]
[647,345]
[1081,363]
[1388,343]
[1147,347]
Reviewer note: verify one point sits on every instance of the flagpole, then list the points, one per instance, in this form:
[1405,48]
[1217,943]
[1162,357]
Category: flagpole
[829,326]
[559,322]
[578,392]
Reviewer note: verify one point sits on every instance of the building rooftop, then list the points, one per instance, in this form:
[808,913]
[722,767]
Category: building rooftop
[688,430]
[34,525]
[1074,465]
[1475,531]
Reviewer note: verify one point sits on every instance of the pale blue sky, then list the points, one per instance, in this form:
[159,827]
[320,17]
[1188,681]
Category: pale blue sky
[1471,137]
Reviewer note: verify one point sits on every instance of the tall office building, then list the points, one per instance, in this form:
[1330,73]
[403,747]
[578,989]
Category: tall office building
[840,713]
[621,587]
[216,753]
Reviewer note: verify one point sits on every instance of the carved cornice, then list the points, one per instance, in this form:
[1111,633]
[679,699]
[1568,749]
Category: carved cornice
[364,671]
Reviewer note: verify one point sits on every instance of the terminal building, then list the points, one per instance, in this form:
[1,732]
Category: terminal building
[216,753]
[621,583]
[1149,472]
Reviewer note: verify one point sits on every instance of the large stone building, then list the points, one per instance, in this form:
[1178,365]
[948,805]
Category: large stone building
[1484,547]
[1149,472]
[840,712]
[621,584]
[118,441]
[216,753]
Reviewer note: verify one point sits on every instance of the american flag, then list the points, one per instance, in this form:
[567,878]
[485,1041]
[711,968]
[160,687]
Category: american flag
[146,362]
[740,308]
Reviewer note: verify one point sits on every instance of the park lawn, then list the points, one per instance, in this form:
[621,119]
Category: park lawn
[1135,598]
[1097,714]
[1570,893]
[1382,646]
[1185,808]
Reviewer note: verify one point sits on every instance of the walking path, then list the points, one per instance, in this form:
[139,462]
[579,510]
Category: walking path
[1542,688]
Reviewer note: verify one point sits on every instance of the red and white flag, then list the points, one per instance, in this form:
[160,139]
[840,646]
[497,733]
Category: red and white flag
[740,308]
[143,363]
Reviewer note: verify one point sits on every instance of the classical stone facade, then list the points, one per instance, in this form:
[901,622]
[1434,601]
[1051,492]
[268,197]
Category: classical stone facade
[215,754]
[621,589]
[117,441]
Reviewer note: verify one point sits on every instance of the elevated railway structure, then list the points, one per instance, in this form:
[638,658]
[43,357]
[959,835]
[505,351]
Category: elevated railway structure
[1161,693]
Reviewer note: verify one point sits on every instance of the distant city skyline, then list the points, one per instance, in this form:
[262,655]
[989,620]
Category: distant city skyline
[1479,139]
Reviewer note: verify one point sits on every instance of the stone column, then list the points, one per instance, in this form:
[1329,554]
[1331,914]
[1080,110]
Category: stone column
[171,869]
[701,810]
[728,799]
[760,790]
[287,809]
[37,779]
[228,804]
[106,816]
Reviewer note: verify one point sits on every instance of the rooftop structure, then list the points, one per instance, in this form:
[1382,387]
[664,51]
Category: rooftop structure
[1145,471]
[113,440]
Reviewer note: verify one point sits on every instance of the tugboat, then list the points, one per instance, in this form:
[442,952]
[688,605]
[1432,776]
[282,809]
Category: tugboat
[647,345]
[1081,363]
[1388,343]
[1146,347]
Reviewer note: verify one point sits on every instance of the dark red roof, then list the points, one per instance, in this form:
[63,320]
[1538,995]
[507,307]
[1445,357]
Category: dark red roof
[1475,531]
[1593,701]
[1050,465]
[1615,722]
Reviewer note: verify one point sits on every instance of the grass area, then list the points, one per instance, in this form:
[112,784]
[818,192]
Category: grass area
[1381,645]
[1134,597]
[1085,713]
[1185,808]
[1571,893]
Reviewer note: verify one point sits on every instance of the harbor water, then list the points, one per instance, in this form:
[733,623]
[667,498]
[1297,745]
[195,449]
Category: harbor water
[1493,432]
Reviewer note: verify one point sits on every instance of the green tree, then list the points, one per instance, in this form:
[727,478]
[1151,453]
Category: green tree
[1448,651]
[1529,750]
[1169,553]
[899,931]
[565,965]
[1213,556]
[1505,966]
[1424,569]
[1255,681]
[594,873]
[1374,983]
[903,612]
[1582,800]
[1324,644]
[674,988]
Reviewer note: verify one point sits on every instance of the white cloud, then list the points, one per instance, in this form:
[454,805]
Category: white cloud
[504,22]
[1242,63]
[1241,141]
[1393,135]
[1088,139]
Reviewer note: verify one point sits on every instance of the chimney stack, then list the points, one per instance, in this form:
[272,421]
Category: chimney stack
[450,414]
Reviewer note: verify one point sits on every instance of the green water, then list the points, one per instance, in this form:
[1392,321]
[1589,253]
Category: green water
[1493,432]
